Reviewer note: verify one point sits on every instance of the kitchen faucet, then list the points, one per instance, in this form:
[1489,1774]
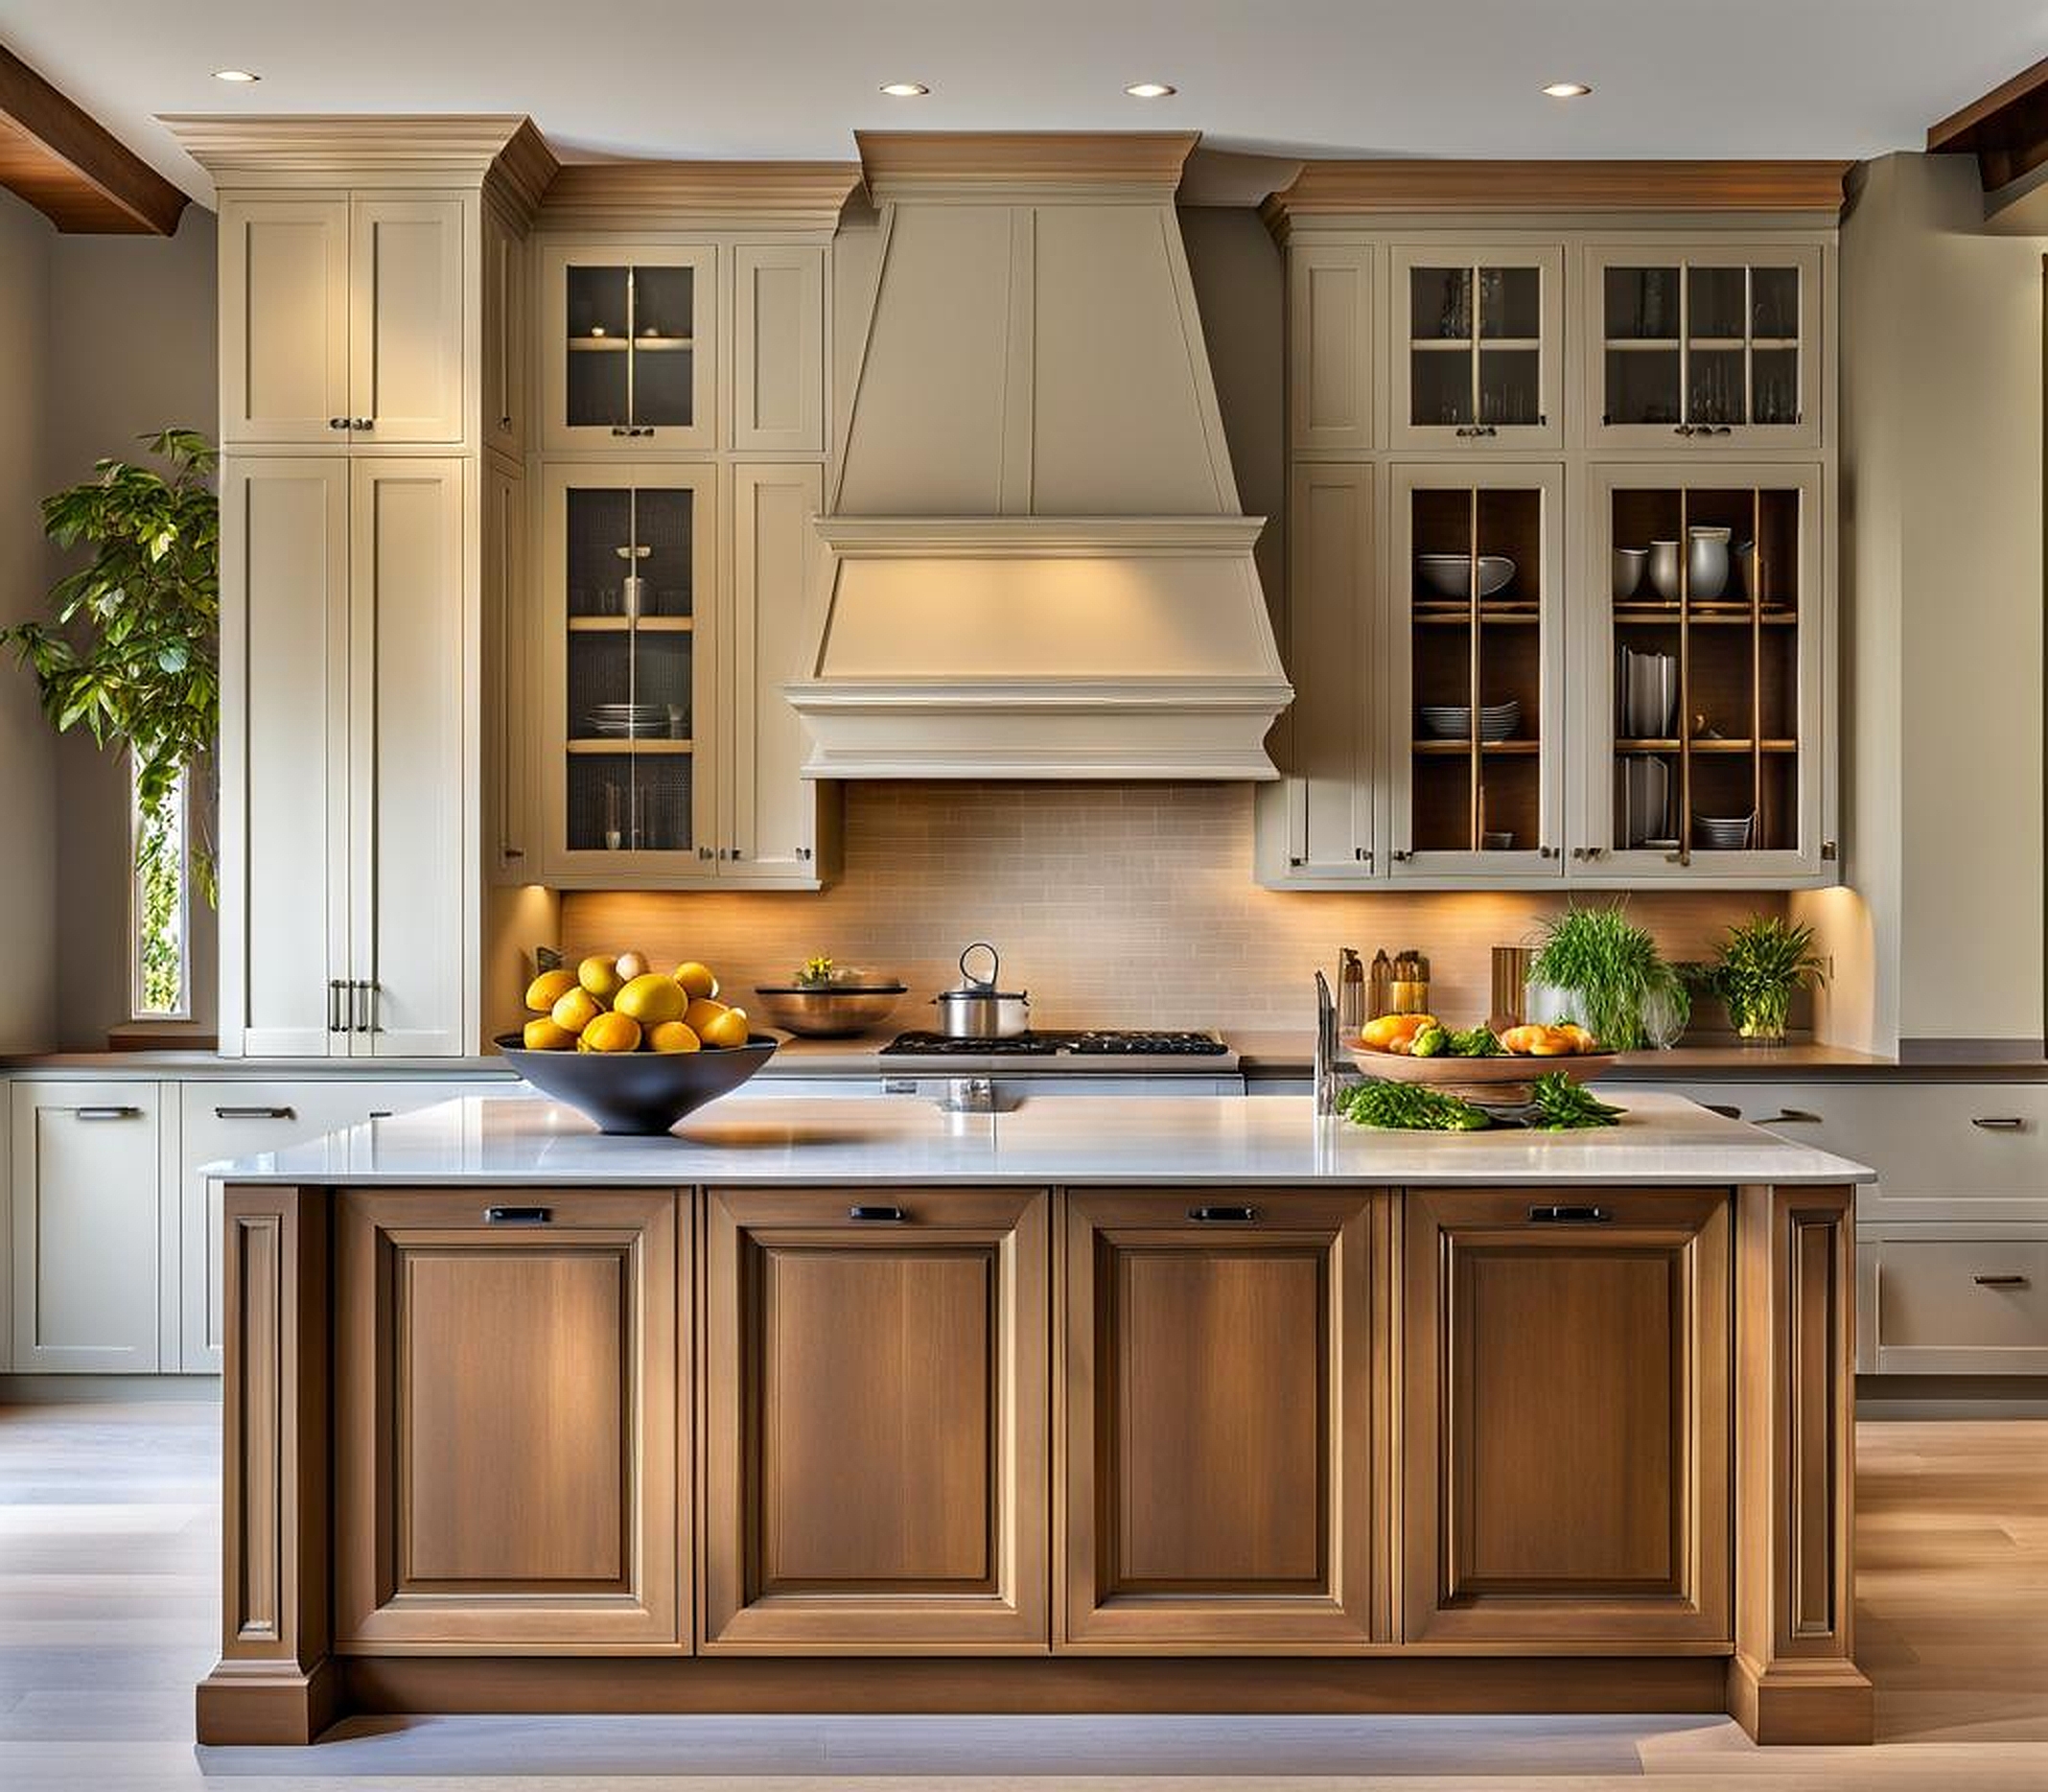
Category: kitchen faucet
[1328,1079]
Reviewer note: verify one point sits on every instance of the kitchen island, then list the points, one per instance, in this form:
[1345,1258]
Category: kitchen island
[1092,1406]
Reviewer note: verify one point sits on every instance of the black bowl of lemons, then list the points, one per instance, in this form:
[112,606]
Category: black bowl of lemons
[634,1048]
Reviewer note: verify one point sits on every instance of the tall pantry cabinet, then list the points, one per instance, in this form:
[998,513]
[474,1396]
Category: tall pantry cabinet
[372,384]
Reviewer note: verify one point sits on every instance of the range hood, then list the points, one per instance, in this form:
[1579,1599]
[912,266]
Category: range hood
[1035,564]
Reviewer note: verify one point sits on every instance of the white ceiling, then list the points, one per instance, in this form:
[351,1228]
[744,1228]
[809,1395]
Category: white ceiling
[794,77]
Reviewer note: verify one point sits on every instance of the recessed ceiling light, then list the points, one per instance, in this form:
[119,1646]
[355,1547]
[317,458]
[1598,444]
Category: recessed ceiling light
[1149,90]
[905,90]
[1568,90]
[241,77]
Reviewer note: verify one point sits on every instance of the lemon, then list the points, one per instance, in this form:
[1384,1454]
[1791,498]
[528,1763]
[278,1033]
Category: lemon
[702,1012]
[727,1029]
[549,989]
[576,1009]
[696,980]
[542,1035]
[612,1032]
[652,1000]
[600,976]
[672,1035]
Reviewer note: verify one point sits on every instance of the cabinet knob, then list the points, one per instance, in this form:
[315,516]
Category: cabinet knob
[505,424]
[338,423]
[1683,429]
[803,854]
[1546,852]
[620,428]
[703,852]
[362,423]
[1400,855]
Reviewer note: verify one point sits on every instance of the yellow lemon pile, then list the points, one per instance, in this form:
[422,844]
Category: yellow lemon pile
[616,1004]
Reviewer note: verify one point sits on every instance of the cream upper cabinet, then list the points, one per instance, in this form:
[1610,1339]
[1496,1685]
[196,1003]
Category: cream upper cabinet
[341,320]
[628,348]
[1704,346]
[1475,671]
[777,349]
[284,320]
[506,339]
[1330,347]
[1475,358]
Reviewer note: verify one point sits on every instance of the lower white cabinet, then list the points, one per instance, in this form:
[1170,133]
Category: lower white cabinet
[90,1235]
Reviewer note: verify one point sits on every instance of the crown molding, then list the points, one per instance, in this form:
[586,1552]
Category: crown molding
[669,195]
[1393,185]
[363,149]
[1049,163]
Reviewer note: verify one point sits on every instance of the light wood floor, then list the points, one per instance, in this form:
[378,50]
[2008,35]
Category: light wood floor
[108,1613]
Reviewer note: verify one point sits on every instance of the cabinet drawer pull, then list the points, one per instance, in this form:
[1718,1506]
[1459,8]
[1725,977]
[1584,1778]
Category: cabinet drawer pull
[362,423]
[518,1216]
[108,1113]
[254,1113]
[1222,1216]
[1792,1117]
[337,1021]
[1723,1109]
[338,423]
[620,428]
[363,1018]
[1569,1216]
[1999,1123]
[889,1216]
[2000,1281]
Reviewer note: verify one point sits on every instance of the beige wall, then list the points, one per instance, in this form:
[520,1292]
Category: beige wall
[131,348]
[28,776]
[1942,577]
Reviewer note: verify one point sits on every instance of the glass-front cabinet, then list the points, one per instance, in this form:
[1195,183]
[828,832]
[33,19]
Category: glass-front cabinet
[1475,663]
[627,347]
[1706,665]
[625,711]
[1476,351]
[1704,347]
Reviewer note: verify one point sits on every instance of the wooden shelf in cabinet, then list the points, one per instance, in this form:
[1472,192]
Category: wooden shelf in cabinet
[1663,344]
[1667,745]
[1506,749]
[1666,615]
[624,624]
[1459,617]
[612,344]
[658,744]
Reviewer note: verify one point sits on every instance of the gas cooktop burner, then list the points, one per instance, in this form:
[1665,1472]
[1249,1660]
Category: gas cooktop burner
[1090,1043]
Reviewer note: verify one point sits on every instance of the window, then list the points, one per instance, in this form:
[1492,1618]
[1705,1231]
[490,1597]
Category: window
[160,908]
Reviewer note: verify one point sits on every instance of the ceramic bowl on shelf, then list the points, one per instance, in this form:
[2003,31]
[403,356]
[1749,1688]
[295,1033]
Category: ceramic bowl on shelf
[1449,575]
[828,1011]
[1492,1082]
[642,1094]
[1723,833]
[1630,563]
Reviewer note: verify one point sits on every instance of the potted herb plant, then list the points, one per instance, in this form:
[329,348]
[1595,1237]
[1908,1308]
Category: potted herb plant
[131,653]
[1608,970]
[1762,964]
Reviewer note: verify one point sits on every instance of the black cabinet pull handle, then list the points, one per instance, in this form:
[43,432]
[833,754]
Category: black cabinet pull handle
[518,1216]
[1791,1117]
[1569,1216]
[1723,1109]
[336,1020]
[1999,1123]
[123,1112]
[895,1216]
[338,423]
[1222,1216]
[254,1113]
[1999,1281]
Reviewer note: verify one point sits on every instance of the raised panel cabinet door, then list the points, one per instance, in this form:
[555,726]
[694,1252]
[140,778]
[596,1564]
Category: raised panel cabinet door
[284,753]
[413,706]
[406,365]
[88,1228]
[1226,1421]
[1566,1425]
[284,321]
[1330,347]
[778,348]
[509,1421]
[774,559]
[875,1465]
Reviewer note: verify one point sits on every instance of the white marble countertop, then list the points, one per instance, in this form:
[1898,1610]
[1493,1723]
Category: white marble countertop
[1196,1141]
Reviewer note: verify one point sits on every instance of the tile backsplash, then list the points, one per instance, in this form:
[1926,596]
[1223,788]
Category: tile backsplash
[1112,904]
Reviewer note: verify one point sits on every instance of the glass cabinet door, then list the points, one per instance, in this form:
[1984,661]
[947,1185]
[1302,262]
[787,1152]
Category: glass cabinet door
[1713,349]
[628,348]
[1475,354]
[1477,657]
[1712,675]
[625,688]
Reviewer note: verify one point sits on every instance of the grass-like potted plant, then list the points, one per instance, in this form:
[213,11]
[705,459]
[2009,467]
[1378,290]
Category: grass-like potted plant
[1762,964]
[1609,973]
[131,653]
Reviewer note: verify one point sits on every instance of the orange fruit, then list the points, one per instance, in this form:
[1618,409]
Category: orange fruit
[696,979]
[575,1010]
[702,1012]
[543,1035]
[549,989]
[727,1029]
[612,1032]
[599,975]
[672,1035]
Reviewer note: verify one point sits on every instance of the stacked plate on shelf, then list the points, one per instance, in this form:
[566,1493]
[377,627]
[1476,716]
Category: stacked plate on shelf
[1452,721]
[1723,833]
[628,721]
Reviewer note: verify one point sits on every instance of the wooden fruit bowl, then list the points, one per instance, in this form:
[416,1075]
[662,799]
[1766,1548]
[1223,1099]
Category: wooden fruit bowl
[1493,1081]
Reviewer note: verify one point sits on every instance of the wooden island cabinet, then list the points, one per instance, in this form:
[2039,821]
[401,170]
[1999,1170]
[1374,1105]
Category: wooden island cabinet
[1034,1444]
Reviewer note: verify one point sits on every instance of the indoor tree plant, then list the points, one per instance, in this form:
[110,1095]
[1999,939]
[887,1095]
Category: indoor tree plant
[1609,970]
[1762,964]
[131,651]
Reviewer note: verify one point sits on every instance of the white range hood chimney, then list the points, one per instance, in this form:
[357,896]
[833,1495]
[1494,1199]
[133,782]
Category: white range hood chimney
[1036,565]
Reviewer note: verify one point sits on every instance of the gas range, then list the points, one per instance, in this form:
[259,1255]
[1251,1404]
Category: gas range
[987,1076]
[1086,1042]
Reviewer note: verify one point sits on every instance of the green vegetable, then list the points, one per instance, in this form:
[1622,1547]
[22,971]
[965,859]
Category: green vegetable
[1408,1107]
[1559,1104]
[1429,1043]
[1475,1043]
[1762,964]
[1611,968]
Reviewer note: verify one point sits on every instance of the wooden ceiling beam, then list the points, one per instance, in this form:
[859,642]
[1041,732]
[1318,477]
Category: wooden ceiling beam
[2007,130]
[71,168]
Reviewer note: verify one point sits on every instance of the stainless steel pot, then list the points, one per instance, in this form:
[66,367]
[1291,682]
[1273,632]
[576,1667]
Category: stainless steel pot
[976,1009]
